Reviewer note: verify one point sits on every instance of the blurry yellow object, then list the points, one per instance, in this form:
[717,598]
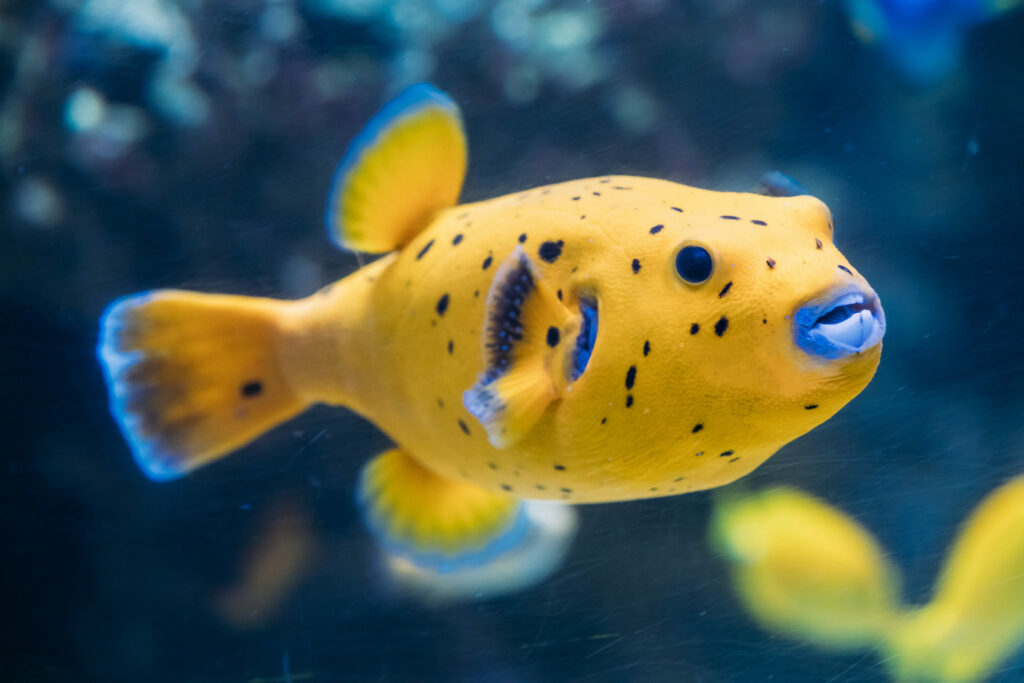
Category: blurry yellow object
[806,569]
[976,616]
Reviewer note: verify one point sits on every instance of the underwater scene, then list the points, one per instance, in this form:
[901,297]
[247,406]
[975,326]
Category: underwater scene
[513,340]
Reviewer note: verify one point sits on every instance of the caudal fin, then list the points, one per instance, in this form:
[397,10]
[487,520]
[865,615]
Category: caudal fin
[191,376]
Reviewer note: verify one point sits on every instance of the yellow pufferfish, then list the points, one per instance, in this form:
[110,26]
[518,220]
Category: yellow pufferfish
[597,340]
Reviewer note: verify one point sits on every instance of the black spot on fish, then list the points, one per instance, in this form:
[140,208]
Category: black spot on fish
[726,454]
[725,290]
[656,229]
[575,199]
[605,181]
[464,428]
[845,270]
[636,266]
[522,238]
[770,262]
[604,420]
[630,376]
[442,304]
[457,239]
[730,218]
[550,251]
[560,468]
[654,488]
[621,187]
[424,250]
[694,328]
[629,400]
[506,487]
[647,347]
[252,389]
[757,222]
[811,407]
[542,487]
[698,454]
[493,465]
[817,243]
[736,459]
[476,293]
[565,490]
[697,427]
[553,336]
[676,208]
[721,326]
[583,216]
[559,295]
[764,321]
[596,194]
[488,261]
[440,403]
[677,480]
[451,347]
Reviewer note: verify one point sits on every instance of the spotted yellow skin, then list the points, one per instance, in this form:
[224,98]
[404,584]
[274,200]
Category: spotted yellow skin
[378,341]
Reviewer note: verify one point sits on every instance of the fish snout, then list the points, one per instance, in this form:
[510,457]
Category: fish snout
[840,323]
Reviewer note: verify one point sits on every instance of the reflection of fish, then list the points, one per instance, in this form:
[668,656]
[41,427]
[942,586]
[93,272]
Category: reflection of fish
[602,339]
[808,570]
[924,38]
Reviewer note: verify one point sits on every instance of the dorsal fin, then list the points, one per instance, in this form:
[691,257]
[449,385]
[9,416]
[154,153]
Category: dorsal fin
[529,341]
[403,167]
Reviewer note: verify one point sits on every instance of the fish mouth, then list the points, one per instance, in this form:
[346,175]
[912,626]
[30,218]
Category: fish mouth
[840,324]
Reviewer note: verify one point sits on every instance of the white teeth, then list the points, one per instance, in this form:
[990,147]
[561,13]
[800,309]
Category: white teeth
[851,333]
[847,299]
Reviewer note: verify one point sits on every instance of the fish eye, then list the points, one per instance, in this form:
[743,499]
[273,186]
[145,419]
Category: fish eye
[694,264]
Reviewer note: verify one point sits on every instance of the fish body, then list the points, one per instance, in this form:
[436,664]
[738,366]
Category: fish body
[666,403]
[603,339]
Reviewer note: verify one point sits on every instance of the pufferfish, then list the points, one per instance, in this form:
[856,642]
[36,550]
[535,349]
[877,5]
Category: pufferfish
[603,339]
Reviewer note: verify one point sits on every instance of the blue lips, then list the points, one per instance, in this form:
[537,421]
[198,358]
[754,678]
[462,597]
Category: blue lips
[840,325]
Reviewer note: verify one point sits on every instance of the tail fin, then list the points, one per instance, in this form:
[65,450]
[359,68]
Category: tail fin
[192,376]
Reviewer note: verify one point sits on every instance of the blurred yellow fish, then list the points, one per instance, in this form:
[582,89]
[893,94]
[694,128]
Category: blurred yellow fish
[806,569]
[601,339]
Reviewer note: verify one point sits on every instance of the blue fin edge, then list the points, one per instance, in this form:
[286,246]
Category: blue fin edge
[514,534]
[413,99]
[147,454]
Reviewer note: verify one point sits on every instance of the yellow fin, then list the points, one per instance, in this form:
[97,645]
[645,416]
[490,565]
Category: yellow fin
[433,521]
[804,568]
[529,345]
[447,539]
[403,167]
[192,376]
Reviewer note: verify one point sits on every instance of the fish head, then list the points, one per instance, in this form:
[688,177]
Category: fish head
[787,323]
[760,328]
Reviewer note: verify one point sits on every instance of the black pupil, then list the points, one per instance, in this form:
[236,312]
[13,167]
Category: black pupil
[694,264]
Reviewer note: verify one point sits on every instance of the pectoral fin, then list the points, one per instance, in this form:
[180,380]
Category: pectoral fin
[529,340]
